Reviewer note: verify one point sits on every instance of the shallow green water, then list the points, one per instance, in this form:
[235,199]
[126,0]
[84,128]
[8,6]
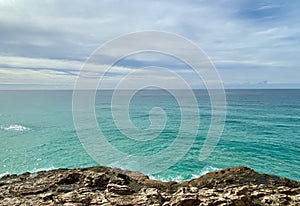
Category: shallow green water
[262,131]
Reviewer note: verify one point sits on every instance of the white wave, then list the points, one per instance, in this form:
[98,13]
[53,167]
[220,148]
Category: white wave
[3,174]
[15,127]
[179,178]
[204,171]
[32,171]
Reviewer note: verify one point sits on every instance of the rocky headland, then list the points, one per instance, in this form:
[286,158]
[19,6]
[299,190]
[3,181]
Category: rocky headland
[109,186]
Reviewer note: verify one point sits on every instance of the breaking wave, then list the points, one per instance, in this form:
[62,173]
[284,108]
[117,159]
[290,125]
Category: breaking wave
[15,127]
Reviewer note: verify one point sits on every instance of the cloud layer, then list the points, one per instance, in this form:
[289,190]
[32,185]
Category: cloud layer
[250,42]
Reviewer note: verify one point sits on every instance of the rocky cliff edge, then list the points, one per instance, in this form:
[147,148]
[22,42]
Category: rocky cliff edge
[239,186]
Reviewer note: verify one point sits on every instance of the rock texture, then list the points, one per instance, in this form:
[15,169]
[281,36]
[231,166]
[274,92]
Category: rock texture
[238,186]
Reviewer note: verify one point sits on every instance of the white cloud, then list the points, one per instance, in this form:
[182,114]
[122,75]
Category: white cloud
[38,63]
[24,76]
[60,35]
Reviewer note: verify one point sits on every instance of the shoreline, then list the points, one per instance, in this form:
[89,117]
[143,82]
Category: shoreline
[112,186]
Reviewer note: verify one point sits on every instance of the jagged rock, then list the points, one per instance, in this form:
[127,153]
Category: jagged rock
[238,186]
[119,189]
[185,197]
[96,180]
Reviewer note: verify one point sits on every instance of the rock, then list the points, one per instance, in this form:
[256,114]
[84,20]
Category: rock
[69,178]
[97,180]
[149,196]
[267,200]
[242,200]
[241,190]
[238,186]
[119,189]
[185,197]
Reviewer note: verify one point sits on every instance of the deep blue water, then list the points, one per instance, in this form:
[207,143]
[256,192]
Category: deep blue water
[262,131]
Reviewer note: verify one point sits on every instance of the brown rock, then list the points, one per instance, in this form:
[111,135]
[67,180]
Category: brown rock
[238,186]
[185,197]
[119,189]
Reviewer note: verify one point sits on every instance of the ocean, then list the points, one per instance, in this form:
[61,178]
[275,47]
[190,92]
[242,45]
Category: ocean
[262,131]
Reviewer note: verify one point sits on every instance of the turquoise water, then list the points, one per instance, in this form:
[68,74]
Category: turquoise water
[262,131]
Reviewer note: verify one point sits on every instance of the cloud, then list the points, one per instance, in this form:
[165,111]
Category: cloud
[51,39]
[38,63]
[31,77]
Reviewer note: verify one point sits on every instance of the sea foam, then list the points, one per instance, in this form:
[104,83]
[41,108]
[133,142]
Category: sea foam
[32,171]
[15,127]
[179,178]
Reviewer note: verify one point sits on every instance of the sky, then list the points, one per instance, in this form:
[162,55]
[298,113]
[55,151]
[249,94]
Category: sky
[252,43]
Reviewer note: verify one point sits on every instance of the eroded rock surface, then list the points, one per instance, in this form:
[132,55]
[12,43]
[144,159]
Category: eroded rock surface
[239,186]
